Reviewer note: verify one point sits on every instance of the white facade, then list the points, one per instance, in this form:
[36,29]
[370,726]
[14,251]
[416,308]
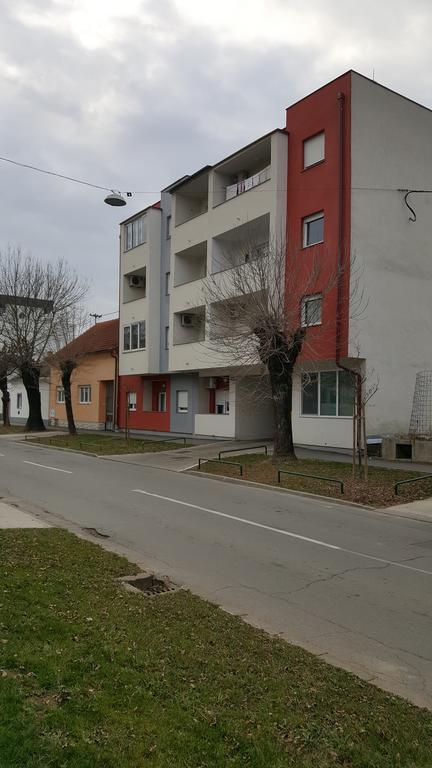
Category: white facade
[391,150]
[141,303]
[18,406]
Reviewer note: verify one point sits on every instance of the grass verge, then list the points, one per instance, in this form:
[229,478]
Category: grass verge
[378,492]
[13,429]
[95,677]
[107,445]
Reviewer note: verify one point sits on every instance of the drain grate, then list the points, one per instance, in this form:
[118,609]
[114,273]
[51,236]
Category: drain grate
[148,585]
[95,532]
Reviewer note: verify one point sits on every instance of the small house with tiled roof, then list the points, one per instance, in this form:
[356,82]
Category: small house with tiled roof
[93,380]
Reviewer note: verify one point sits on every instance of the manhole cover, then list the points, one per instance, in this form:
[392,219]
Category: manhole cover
[148,585]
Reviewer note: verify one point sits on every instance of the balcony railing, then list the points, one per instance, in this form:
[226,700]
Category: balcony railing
[245,184]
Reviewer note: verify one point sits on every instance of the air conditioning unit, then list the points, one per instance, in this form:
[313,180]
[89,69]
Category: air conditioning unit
[189,321]
[136,281]
[210,382]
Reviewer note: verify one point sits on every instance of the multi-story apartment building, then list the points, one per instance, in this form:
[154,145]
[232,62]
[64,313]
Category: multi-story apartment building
[333,186]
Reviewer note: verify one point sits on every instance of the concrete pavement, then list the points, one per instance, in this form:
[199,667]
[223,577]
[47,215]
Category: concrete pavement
[13,517]
[351,584]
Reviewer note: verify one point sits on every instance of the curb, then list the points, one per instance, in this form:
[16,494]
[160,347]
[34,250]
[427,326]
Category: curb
[34,444]
[267,487]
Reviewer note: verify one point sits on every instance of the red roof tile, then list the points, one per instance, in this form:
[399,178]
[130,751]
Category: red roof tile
[101,337]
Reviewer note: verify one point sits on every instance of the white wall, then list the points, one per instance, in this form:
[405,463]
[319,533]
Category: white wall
[16,386]
[323,431]
[391,150]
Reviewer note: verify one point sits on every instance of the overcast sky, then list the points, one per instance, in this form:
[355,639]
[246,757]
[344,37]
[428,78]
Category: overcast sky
[134,94]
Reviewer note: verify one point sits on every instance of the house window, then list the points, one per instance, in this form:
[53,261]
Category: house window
[19,401]
[162,402]
[132,401]
[60,395]
[84,393]
[313,229]
[328,393]
[135,233]
[313,150]
[167,337]
[182,400]
[311,310]
[168,227]
[167,283]
[134,336]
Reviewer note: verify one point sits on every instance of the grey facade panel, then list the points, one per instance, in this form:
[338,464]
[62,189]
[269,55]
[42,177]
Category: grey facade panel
[184,422]
[165,267]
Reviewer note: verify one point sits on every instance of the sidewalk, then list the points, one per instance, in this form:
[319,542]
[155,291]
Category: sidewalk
[11,517]
[184,458]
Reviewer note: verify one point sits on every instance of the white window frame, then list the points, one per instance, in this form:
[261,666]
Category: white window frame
[167,283]
[167,337]
[60,396]
[19,401]
[305,301]
[162,396]
[308,220]
[319,415]
[182,408]
[132,401]
[84,392]
[321,152]
[135,233]
[168,226]
[127,331]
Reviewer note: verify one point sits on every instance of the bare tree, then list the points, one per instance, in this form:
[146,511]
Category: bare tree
[5,370]
[69,352]
[35,295]
[255,323]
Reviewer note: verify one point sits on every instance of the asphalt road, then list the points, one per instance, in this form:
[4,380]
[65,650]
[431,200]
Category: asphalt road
[353,585]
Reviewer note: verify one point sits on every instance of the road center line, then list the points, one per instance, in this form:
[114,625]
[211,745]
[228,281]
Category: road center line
[44,466]
[282,532]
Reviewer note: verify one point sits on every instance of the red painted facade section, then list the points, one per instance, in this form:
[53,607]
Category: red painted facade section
[310,191]
[153,420]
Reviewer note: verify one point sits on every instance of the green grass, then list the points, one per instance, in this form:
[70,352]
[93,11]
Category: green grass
[95,677]
[106,445]
[379,491]
[10,430]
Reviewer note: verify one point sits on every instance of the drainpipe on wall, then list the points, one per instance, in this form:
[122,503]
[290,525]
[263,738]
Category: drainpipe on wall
[114,354]
[340,267]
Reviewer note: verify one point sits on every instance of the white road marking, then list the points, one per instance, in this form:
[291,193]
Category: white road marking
[44,466]
[282,532]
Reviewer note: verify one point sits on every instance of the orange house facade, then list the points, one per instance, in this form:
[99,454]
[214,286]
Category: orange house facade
[92,382]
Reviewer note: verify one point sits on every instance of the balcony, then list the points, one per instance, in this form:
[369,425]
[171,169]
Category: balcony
[192,199]
[190,264]
[241,244]
[244,184]
[247,169]
[189,327]
[134,285]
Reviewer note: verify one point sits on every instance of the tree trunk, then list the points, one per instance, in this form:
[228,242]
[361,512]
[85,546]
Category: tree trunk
[66,374]
[280,374]
[30,376]
[5,400]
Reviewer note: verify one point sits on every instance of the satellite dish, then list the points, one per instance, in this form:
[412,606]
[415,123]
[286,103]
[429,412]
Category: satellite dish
[115,198]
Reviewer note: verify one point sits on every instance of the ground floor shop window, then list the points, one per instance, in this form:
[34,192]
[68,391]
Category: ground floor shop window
[327,393]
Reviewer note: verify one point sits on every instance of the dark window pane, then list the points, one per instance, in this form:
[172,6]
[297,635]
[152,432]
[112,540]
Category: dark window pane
[126,338]
[328,393]
[315,231]
[142,338]
[346,393]
[134,336]
[310,394]
[312,311]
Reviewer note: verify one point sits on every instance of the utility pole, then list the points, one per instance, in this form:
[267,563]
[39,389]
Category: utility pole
[96,316]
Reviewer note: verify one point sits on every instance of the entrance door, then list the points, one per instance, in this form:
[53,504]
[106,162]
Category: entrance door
[109,405]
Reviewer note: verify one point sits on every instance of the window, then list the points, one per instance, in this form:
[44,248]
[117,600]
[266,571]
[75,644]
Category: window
[162,402]
[134,336]
[168,227]
[167,337]
[132,401]
[313,229]
[182,400]
[84,394]
[311,310]
[167,283]
[329,393]
[19,401]
[135,233]
[313,150]
[60,395]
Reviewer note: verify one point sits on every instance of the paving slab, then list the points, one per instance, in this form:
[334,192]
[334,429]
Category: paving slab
[11,517]
[184,458]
